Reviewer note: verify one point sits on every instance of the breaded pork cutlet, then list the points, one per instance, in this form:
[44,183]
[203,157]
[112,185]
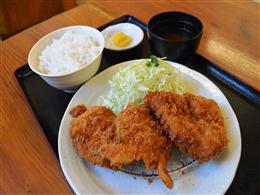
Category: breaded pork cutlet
[112,141]
[195,124]
[139,137]
[91,131]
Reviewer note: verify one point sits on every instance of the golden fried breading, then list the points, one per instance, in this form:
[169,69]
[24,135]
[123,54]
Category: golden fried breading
[110,141]
[78,110]
[91,131]
[194,123]
[139,136]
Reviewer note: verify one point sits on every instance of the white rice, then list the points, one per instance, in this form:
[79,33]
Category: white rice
[67,54]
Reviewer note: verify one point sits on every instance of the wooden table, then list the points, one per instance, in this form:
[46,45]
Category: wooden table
[27,162]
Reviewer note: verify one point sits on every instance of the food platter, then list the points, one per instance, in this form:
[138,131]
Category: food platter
[199,178]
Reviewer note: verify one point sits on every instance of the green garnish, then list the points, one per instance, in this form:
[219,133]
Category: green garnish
[153,61]
[148,63]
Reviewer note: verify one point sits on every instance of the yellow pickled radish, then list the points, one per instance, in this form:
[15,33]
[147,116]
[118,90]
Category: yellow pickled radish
[120,39]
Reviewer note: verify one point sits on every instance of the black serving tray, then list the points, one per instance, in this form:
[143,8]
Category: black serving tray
[49,105]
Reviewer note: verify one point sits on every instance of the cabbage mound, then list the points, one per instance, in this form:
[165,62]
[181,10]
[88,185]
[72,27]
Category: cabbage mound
[133,82]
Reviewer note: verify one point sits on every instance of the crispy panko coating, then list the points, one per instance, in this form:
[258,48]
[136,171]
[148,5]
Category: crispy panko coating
[193,123]
[139,137]
[91,131]
[78,110]
[112,141]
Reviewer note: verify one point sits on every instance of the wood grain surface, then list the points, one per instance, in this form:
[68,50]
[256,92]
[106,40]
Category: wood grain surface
[16,15]
[27,162]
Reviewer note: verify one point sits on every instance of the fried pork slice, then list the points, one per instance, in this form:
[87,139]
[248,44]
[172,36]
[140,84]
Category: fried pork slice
[91,131]
[195,124]
[110,141]
[138,137]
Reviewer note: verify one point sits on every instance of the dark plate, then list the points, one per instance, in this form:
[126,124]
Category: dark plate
[49,105]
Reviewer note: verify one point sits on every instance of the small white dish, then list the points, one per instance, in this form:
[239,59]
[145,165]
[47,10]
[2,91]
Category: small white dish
[135,32]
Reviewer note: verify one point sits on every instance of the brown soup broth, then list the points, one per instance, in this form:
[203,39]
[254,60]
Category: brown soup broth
[176,34]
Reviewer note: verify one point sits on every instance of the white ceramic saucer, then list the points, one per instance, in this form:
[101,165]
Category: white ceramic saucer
[135,32]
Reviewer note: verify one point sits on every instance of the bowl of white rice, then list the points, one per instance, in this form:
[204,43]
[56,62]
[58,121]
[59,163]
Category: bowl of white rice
[67,57]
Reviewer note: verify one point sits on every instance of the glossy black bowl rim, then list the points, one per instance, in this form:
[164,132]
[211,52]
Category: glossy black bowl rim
[172,41]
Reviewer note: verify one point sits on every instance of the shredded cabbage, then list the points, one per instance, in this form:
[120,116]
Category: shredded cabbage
[133,82]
